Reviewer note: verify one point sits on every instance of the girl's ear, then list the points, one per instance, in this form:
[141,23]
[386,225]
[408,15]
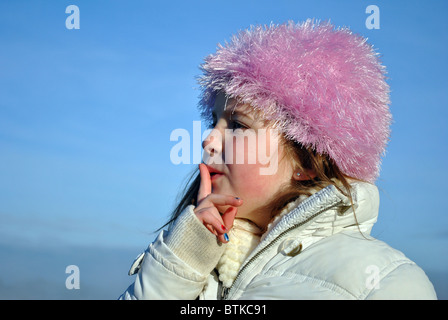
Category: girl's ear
[304,175]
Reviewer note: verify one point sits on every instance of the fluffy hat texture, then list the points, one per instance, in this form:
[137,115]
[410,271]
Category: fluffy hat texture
[323,87]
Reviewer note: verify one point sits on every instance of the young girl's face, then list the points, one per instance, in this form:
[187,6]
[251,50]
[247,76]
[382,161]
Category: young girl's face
[245,159]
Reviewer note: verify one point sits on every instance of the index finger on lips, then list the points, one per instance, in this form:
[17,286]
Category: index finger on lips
[205,187]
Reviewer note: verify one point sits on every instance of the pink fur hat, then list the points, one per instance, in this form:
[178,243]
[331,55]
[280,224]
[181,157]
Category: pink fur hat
[323,87]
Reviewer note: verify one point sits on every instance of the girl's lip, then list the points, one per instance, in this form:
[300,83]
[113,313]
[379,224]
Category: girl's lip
[213,170]
[214,173]
[215,176]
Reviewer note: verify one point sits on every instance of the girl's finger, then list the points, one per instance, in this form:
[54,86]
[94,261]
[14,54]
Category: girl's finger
[210,216]
[211,229]
[221,200]
[229,216]
[205,187]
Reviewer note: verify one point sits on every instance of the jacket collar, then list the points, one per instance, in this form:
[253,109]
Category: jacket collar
[327,212]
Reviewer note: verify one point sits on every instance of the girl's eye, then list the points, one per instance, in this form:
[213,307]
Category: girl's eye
[236,125]
[233,125]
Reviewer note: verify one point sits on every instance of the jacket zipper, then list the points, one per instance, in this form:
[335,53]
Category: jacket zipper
[225,291]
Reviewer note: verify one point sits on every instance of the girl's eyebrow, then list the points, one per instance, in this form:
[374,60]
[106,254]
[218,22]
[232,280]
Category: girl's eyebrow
[241,116]
[239,113]
[233,112]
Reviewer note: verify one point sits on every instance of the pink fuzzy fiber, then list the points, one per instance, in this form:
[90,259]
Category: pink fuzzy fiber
[323,87]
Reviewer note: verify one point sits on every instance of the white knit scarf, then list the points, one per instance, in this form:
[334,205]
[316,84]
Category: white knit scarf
[244,237]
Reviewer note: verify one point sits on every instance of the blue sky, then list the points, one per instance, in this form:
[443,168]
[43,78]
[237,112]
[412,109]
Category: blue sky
[86,117]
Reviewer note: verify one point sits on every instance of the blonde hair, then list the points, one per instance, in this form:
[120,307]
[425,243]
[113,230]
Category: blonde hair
[322,172]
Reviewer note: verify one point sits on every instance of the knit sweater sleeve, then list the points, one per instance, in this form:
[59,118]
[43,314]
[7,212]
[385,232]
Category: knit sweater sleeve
[178,263]
[193,243]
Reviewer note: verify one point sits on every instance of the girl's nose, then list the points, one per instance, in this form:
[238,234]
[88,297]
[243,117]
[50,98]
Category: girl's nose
[213,143]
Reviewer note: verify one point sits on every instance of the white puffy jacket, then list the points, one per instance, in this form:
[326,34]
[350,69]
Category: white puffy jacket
[317,249]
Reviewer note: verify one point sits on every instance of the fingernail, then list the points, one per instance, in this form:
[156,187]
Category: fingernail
[226,237]
[223,227]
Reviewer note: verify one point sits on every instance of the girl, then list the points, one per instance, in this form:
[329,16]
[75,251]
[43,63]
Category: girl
[318,97]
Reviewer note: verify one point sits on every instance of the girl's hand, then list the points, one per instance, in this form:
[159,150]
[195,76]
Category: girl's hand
[206,210]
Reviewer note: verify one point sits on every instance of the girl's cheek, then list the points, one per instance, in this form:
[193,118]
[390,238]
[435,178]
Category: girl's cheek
[250,183]
[253,178]
[241,150]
